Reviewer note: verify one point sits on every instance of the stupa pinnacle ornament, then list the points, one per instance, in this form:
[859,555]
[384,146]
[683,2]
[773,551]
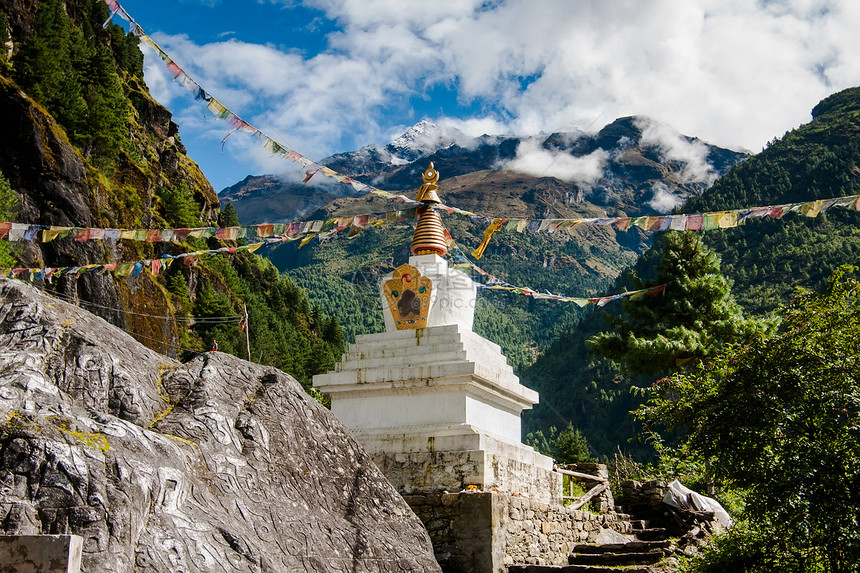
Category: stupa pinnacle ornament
[429,237]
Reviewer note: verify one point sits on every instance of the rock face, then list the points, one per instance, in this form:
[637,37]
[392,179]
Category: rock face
[213,465]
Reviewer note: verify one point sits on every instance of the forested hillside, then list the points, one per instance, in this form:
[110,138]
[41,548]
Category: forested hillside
[341,275]
[767,259]
[85,145]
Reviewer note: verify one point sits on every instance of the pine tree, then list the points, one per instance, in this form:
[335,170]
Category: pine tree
[45,68]
[178,205]
[571,447]
[695,317]
[333,333]
[228,217]
[107,110]
[210,303]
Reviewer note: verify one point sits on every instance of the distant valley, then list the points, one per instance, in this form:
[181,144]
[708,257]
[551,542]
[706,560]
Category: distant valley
[632,166]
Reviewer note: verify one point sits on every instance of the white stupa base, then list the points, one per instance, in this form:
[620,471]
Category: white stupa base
[440,377]
[435,460]
[439,409]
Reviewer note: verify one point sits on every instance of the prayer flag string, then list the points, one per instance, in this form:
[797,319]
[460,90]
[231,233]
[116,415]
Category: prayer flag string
[126,269]
[494,283]
[678,222]
[221,112]
[325,227]
[287,231]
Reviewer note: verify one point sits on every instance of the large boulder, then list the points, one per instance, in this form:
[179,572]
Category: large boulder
[213,465]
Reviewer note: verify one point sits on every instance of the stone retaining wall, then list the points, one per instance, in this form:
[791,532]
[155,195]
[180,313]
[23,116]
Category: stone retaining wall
[643,498]
[514,470]
[484,532]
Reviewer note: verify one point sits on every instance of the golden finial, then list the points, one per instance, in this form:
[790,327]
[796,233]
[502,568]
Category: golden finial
[427,192]
[429,237]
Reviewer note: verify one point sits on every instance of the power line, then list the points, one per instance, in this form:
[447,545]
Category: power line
[190,319]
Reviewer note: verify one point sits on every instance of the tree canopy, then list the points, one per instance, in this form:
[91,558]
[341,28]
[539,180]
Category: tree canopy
[567,447]
[781,419]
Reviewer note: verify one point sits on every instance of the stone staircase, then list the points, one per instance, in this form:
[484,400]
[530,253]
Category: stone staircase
[649,552]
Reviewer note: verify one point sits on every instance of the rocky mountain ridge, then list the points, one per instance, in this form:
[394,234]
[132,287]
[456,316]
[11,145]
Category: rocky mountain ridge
[633,165]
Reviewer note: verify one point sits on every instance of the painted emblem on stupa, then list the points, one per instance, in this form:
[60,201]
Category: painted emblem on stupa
[408,296]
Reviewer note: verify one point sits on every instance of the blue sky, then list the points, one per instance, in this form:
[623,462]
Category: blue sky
[325,76]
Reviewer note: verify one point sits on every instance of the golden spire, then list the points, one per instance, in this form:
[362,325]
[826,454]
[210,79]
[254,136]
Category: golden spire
[429,237]
[427,192]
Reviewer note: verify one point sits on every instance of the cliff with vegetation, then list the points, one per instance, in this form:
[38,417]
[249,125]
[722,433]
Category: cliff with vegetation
[84,144]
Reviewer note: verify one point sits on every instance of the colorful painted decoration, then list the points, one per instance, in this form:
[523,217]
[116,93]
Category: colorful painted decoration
[408,295]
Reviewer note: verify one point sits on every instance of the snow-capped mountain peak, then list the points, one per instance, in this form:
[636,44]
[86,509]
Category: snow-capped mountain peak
[423,138]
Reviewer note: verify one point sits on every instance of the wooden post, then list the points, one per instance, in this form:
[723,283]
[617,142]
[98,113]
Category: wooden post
[587,497]
[247,334]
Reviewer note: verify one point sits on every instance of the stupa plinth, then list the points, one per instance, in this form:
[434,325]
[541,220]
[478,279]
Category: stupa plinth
[437,405]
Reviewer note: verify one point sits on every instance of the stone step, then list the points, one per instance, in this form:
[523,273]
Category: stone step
[631,547]
[437,350]
[651,534]
[574,569]
[406,338]
[610,559]
[413,357]
[359,353]
[639,523]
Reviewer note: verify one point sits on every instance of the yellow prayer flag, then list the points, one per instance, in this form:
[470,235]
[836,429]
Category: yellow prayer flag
[495,226]
[812,209]
[307,240]
[728,220]
[49,235]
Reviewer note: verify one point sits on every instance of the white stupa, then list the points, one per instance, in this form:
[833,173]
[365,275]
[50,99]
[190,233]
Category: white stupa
[436,405]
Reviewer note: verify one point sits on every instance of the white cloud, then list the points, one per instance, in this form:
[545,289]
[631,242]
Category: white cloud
[664,200]
[676,147]
[731,72]
[533,159]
